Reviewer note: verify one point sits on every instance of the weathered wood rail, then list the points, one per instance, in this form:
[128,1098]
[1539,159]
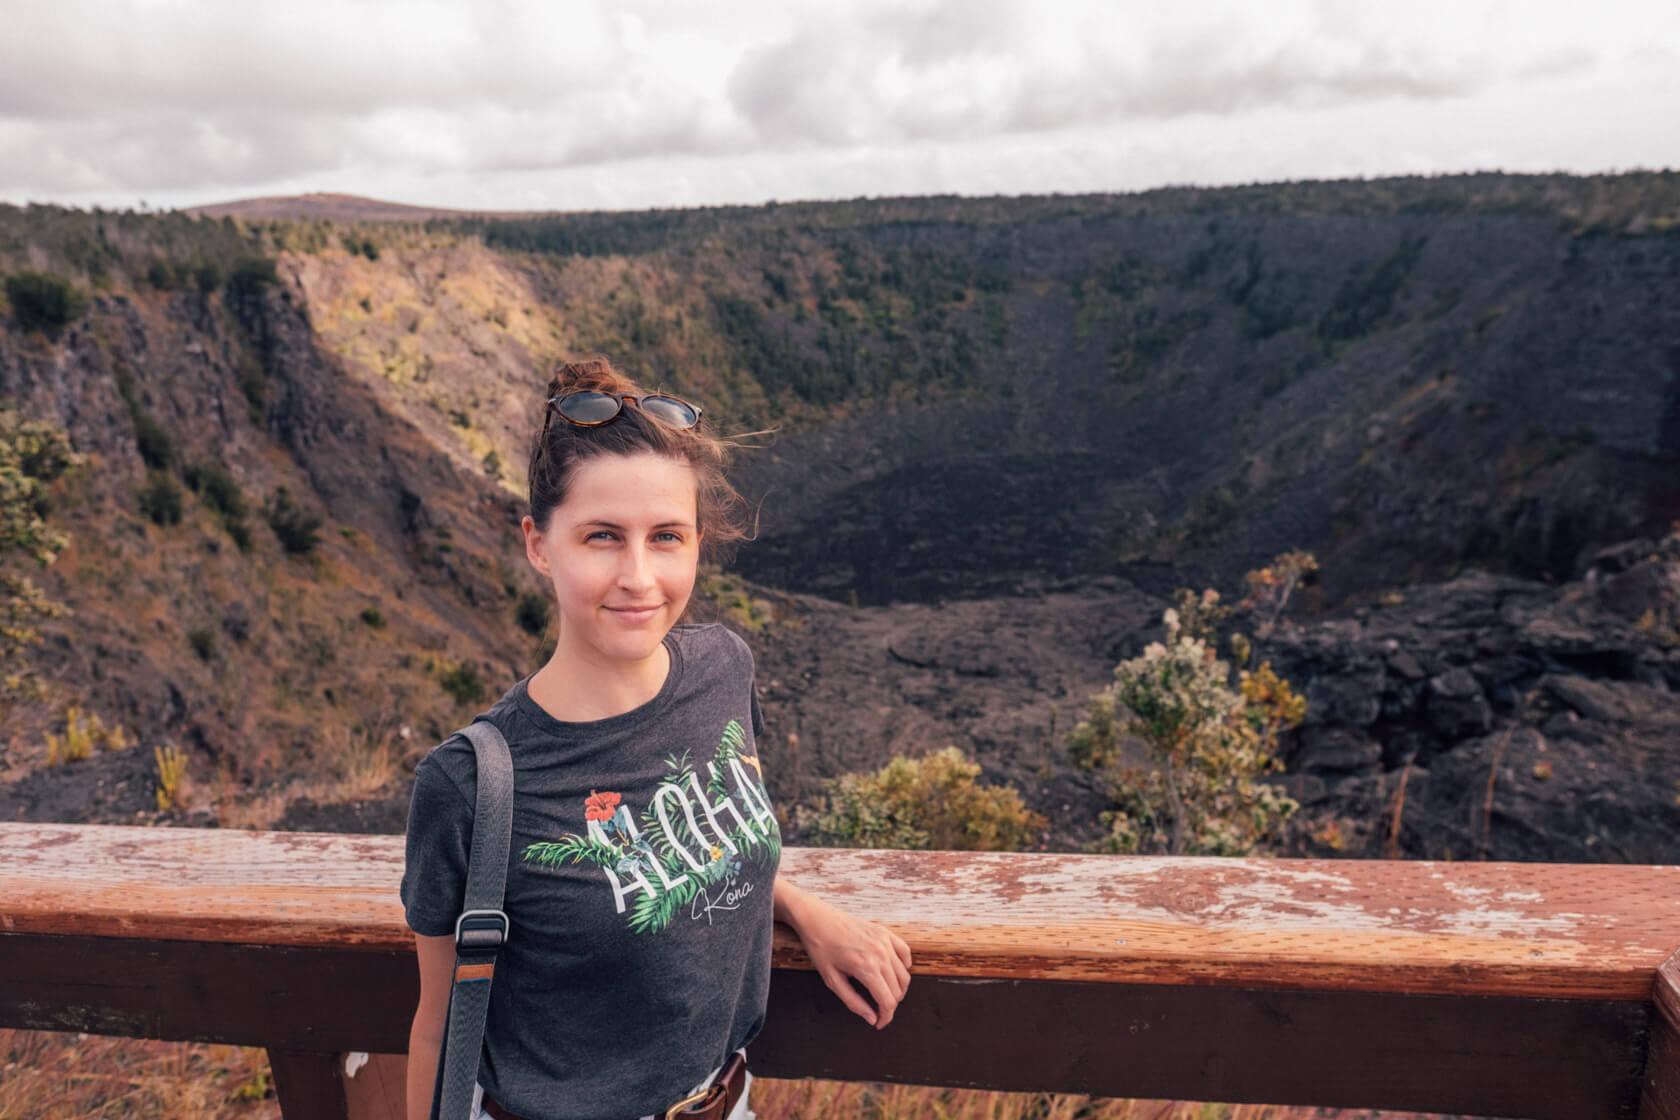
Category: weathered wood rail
[1542,991]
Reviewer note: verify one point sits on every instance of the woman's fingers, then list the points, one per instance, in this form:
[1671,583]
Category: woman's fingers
[886,1000]
[901,948]
[903,975]
[840,984]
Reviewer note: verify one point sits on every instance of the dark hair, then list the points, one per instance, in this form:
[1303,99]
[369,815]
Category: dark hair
[559,447]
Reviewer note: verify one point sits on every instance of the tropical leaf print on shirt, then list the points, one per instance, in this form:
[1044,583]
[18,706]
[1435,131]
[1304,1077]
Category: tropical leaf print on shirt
[690,843]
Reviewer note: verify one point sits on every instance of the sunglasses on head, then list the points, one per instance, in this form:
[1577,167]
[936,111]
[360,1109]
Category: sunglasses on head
[587,408]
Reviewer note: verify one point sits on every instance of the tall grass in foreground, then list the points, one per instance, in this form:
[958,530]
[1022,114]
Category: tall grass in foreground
[52,1075]
[809,1099]
[65,1076]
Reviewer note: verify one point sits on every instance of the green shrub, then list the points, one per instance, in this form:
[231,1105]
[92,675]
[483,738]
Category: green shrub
[32,455]
[1209,743]
[532,612]
[43,302]
[203,641]
[152,440]
[215,487]
[207,278]
[1269,588]
[734,599]
[160,499]
[373,616]
[167,276]
[298,529]
[928,802]
[463,682]
[251,275]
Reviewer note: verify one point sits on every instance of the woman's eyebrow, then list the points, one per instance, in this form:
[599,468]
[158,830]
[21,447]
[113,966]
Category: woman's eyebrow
[614,525]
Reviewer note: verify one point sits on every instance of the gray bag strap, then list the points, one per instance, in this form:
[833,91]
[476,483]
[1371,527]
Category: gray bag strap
[482,927]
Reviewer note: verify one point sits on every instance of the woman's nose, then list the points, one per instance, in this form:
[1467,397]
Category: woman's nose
[636,571]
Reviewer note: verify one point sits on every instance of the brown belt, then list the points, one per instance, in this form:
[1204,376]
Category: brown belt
[714,1102]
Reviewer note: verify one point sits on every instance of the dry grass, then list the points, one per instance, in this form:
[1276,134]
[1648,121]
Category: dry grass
[810,1099]
[92,1077]
[366,760]
[352,764]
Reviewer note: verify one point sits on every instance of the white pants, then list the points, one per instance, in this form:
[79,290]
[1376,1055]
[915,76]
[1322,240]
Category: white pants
[739,1112]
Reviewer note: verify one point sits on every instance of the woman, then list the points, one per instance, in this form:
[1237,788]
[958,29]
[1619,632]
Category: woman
[642,877]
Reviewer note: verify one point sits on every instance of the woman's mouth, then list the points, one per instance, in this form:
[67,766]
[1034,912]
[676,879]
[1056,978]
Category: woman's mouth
[635,614]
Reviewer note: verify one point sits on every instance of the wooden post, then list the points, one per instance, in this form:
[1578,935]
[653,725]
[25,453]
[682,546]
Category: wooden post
[1661,1081]
[377,1089]
[309,1086]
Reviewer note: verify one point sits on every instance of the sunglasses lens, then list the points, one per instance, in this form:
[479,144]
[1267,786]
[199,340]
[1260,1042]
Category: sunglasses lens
[670,410]
[588,408]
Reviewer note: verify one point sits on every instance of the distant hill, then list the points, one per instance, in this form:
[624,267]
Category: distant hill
[330,207]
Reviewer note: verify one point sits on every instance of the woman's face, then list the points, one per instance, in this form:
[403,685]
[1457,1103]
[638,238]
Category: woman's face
[621,551]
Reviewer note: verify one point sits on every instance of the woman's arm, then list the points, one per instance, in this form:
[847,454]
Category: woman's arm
[436,956]
[845,949]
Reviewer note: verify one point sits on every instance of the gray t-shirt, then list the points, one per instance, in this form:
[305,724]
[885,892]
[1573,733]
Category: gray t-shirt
[639,887]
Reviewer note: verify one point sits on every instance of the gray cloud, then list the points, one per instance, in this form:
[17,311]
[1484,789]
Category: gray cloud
[906,80]
[122,98]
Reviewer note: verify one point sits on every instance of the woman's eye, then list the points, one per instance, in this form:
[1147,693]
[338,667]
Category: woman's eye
[670,536]
[599,533]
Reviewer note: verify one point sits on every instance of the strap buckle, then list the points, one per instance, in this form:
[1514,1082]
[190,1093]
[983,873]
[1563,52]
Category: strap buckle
[671,1113]
[480,931]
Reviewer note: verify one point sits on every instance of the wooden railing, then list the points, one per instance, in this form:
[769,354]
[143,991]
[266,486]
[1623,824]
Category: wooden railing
[1543,991]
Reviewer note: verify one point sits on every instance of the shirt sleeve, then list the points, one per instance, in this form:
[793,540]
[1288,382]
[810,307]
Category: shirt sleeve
[434,882]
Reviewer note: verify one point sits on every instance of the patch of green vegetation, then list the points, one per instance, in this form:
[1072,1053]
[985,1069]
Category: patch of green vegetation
[735,600]
[1145,336]
[219,491]
[43,302]
[930,802]
[102,249]
[463,681]
[1633,202]
[532,612]
[33,455]
[215,487]
[770,353]
[152,440]
[1367,295]
[1210,739]
[297,528]
[160,498]
[203,642]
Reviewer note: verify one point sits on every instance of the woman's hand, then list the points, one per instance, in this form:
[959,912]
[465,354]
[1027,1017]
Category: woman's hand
[844,948]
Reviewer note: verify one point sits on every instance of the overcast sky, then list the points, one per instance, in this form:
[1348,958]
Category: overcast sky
[568,104]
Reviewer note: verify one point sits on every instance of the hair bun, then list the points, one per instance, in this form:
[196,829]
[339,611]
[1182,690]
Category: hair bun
[591,373]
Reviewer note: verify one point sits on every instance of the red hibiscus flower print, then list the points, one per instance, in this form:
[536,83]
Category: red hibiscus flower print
[600,806]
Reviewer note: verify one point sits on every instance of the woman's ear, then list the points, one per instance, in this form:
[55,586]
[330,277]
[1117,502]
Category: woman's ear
[534,545]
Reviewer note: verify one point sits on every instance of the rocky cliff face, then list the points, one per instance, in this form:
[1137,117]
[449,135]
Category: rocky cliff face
[1493,717]
[1400,395]
[1485,717]
[260,663]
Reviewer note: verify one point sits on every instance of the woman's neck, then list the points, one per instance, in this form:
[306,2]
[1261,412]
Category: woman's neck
[573,690]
